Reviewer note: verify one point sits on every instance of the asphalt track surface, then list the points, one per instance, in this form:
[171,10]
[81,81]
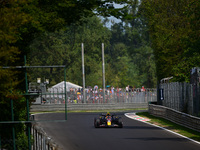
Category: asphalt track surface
[78,133]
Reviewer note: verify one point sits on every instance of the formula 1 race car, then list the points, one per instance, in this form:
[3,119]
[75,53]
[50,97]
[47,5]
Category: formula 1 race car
[108,120]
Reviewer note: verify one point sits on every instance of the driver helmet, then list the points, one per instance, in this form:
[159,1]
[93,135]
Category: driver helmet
[108,114]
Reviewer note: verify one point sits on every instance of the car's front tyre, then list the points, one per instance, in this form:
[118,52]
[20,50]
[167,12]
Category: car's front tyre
[120,123]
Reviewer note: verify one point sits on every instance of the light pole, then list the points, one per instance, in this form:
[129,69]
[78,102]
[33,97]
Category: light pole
[83,72]
[103,72]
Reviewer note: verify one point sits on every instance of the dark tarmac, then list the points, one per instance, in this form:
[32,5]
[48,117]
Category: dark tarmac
[78,133]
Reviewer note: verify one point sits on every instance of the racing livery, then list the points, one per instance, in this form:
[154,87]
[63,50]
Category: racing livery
[108,121]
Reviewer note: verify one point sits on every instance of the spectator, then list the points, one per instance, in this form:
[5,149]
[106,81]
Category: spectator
[127,88]
[143,89]
[112,89]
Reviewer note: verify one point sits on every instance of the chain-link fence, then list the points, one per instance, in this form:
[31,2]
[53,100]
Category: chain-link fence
[57,96]
[183,97]
[178,96]
[195,81]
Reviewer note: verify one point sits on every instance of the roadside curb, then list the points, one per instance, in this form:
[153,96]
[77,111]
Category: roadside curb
[138,118]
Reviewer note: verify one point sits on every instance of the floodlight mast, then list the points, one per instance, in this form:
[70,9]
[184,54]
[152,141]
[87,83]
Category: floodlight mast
[103,72]
[83,72]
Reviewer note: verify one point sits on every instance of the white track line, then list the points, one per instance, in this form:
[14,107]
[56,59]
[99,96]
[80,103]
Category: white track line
[136,118]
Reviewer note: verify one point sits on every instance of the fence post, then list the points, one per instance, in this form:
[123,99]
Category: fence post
[13,128]
[191,105]
[0,141]
[44,142]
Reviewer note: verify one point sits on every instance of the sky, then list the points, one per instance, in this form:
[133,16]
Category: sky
[113,19]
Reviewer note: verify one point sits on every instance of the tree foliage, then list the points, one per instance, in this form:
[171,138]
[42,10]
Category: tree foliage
[64,48]
[128,60]
[126,52]
[133,33]
[26,21]
[174,32]
[153,35]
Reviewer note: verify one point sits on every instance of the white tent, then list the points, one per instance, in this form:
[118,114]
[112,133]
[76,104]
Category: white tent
[57,91]
[60,87]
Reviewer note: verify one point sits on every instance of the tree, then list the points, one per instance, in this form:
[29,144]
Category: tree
[174,34]
[134,36]
[11,18]
[20,23]
[23,21]
[64,48]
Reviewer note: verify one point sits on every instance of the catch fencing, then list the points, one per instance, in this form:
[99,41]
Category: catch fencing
[184,97]
[96,97]
[178,96]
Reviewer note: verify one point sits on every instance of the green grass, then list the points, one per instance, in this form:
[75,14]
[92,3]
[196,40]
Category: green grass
[171,126]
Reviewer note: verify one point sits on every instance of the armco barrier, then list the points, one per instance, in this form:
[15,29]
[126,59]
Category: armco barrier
[77,107]
[175,116]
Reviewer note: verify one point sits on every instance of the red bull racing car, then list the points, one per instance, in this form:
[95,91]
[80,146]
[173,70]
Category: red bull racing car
[108,120]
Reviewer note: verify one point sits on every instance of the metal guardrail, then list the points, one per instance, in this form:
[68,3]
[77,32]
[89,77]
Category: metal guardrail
[175,116]
[77,107]
[41,141]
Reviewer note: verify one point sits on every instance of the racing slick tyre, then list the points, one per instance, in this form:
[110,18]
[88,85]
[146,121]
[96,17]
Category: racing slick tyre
[120,123]
[96,123]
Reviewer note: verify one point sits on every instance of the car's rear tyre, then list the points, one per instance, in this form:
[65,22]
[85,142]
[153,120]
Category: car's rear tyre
[96,123]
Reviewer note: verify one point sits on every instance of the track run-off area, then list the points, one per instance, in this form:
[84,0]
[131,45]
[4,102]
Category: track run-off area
[79,133]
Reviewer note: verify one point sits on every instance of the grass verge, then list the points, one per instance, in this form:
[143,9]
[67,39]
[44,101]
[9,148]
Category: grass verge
[171,126]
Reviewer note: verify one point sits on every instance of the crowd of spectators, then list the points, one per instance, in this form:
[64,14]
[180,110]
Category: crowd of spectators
[95,95]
